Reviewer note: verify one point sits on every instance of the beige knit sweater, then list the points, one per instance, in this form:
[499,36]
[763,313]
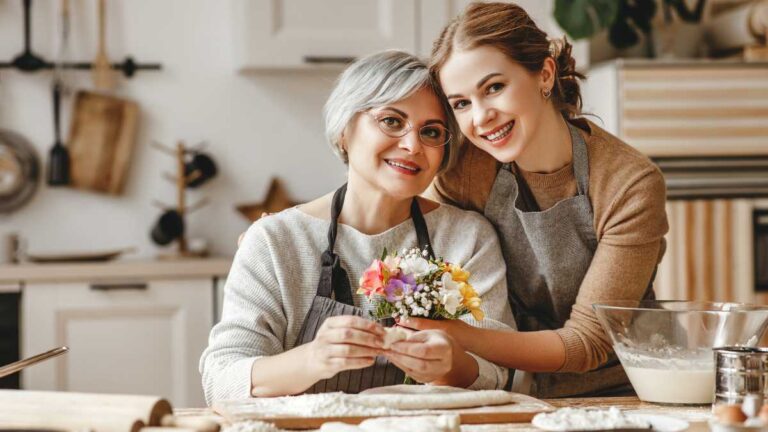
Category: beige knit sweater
[628,196]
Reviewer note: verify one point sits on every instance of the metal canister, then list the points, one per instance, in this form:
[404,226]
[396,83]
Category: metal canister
[741,371]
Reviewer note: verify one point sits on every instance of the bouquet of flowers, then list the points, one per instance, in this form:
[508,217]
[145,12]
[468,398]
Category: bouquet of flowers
[412,285]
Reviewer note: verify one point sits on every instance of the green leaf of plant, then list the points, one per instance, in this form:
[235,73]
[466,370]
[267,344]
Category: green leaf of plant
[583,18]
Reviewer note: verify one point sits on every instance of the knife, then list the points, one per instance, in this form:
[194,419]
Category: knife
[21,364]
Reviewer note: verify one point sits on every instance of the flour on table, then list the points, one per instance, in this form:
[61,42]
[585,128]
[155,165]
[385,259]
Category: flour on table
[392,335]
[251,426]
[565,419]
[433,423]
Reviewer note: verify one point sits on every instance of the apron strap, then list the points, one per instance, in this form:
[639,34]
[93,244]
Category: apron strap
[529,203]
[422,233]
[580,160]
[333,277]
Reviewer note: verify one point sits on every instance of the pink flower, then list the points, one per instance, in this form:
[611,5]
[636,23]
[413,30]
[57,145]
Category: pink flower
[374,279]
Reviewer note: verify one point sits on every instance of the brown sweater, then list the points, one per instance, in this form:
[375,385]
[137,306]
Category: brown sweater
[628,196]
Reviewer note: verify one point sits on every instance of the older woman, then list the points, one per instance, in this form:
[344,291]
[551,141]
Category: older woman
[291,321]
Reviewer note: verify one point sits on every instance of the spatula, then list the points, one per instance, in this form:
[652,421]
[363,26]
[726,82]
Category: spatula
[58,165]
[103,77]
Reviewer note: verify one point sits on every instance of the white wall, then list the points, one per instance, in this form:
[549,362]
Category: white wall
[257,126]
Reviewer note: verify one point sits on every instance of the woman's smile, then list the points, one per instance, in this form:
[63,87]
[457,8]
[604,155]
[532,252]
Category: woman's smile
[499,136]
[403,166]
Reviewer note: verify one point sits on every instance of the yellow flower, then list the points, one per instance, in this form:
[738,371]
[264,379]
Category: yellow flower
[477,314]
[458,274]
[467,291]
[471,300]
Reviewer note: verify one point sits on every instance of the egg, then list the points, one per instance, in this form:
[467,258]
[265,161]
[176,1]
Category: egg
[729,414]
[763,414]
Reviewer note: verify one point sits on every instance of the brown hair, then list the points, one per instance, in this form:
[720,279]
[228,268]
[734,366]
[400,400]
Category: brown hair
[509,28]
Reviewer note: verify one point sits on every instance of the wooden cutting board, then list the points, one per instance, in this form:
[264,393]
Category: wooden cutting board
[101,141]
[522,410]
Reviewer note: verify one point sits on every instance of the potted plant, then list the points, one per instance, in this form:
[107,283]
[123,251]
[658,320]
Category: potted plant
[628,21]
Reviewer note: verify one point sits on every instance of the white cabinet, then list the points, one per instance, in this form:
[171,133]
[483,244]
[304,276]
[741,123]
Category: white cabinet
[124,336]
[307,33]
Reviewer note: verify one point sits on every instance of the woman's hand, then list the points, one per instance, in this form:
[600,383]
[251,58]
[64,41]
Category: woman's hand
[457,329]
[426,356]
[343,343]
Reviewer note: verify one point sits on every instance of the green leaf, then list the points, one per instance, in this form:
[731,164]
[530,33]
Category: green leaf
[583,18]
[383,255]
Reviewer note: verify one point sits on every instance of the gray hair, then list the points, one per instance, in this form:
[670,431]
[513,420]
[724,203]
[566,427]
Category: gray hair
[377,80]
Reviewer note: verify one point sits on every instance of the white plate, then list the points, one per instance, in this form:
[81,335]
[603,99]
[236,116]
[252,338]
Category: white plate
[662,423]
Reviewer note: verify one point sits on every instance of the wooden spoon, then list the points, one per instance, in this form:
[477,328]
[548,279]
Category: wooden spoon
[103,77]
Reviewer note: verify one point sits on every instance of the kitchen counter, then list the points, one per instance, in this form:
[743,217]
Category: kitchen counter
[696,416]
[145,269]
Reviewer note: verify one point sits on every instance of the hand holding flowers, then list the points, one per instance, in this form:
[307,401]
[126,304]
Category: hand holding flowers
[411,285]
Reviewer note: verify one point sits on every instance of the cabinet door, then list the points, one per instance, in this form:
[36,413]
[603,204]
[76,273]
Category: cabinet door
[305,33]
[133,338]
[436,14]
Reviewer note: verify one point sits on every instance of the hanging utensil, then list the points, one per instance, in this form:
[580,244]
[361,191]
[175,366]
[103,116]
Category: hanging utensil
[19,171]
[28,61]
[58,165]
[61,74]
[103,77]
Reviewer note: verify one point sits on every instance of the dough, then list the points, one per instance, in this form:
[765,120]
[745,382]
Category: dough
[415,397]
[402,389]
[437,423]
[394,334]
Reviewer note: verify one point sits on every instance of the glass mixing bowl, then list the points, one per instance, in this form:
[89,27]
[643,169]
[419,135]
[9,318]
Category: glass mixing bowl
[666,346]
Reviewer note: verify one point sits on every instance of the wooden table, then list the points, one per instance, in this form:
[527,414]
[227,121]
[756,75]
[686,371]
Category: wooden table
[696,416]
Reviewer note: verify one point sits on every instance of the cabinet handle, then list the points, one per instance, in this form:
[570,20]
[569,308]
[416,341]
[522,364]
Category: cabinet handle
[119,287]
[328,59]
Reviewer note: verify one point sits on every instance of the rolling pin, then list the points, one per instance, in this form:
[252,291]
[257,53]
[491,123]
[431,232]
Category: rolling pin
[97,412]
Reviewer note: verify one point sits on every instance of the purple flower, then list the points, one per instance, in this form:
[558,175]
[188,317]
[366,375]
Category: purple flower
[399,287]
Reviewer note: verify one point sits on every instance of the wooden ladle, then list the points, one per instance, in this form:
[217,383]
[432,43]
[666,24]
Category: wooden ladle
[103,77]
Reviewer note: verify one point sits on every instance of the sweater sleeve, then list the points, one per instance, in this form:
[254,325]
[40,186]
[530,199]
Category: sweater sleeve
[488,277]
[252,324]
[629,248]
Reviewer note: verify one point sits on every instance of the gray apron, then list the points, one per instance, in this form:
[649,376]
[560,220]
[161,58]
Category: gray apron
[334,280]
[547,255]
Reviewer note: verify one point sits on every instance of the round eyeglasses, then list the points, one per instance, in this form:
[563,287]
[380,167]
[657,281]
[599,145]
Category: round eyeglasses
[396,126]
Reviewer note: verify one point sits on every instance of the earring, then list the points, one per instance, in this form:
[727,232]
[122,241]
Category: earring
[546,93]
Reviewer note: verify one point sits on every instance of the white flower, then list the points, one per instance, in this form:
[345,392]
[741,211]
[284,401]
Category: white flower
[416,266]
[450,296]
